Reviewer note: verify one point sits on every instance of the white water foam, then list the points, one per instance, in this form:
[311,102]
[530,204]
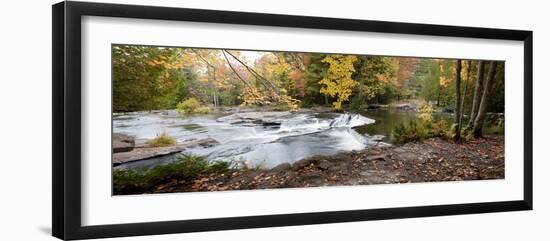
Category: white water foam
[243,136]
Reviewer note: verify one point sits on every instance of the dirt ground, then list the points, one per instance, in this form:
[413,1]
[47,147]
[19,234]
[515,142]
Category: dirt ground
[432,160]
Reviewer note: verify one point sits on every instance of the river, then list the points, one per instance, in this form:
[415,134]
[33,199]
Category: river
[264,139]
[254,139]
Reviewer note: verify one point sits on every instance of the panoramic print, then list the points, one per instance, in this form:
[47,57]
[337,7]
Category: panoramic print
[195,119]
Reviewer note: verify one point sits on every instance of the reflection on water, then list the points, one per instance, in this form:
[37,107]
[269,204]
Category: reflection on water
[387,120]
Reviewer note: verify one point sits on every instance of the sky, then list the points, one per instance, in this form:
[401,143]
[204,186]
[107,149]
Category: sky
[251,56]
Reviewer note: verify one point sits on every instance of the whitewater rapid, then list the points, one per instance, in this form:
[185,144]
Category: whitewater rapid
[254,139]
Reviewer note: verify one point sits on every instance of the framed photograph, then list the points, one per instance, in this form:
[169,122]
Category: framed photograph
[171,120]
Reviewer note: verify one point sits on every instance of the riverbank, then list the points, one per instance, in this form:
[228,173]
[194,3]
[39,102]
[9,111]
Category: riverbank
[432,160]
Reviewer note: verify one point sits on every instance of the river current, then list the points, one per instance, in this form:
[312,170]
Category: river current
[254,139]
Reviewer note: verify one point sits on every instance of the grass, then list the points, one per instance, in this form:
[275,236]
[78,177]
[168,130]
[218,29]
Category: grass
[184,169]
[162,140]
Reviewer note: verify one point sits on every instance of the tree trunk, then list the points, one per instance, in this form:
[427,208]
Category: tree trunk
[212,84]
[477,92]
[458,115]
[438,94]
[478,123]
[465,90]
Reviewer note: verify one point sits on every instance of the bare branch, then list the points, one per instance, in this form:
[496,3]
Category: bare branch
[233,69]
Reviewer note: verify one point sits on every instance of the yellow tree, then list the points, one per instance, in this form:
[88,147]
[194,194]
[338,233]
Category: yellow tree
[338,82]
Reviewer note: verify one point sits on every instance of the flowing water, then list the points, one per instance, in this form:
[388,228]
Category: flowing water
[254,139]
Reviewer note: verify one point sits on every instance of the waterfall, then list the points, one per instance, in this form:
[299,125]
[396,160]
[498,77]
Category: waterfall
[350,120]
[304,123]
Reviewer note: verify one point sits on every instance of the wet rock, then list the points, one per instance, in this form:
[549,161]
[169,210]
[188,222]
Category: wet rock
[146,152]
[270,123]
[123,143]
[268,117]
[377,138]
[281,167]
[377,106]
[301,164]
[208,142]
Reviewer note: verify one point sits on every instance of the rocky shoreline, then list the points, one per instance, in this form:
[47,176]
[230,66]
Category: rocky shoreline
[432,160]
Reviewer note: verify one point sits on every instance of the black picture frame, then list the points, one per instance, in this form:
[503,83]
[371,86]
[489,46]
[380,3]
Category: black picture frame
[66,58]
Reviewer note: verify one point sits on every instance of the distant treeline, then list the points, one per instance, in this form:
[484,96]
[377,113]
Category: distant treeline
[148,78]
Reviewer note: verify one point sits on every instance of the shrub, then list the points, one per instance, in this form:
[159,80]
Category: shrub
[440,129]
[191,106]
[162,140]
[186,168]
[413,130]
[425,112]
[281,106]
[417,130]
[495,125]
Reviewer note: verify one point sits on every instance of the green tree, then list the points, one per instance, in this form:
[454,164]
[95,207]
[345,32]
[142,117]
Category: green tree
[377,80]
[315,71]
[141,79]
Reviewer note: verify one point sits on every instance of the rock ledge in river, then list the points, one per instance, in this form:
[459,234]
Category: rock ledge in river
[144,152]
[123,143]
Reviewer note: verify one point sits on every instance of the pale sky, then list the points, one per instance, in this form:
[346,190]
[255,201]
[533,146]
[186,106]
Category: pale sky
[251,56]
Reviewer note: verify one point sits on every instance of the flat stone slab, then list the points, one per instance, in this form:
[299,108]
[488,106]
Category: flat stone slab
[264,118]
[123,143]
[144,152]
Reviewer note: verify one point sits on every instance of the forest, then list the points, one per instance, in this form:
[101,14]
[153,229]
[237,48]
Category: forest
[415,100]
